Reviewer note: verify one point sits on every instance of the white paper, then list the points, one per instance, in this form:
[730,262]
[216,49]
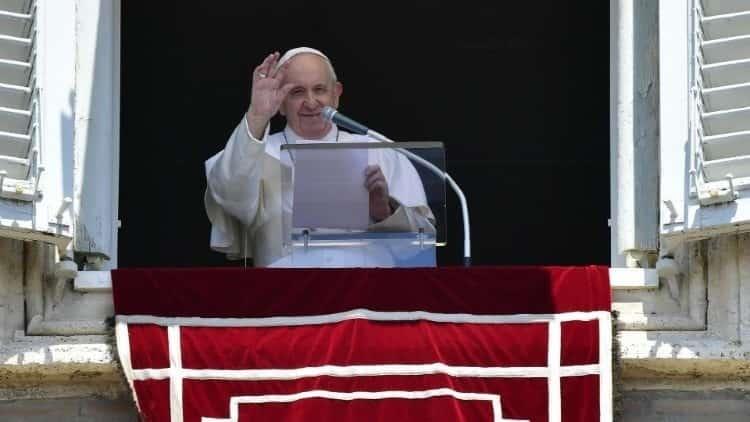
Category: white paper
[329,189]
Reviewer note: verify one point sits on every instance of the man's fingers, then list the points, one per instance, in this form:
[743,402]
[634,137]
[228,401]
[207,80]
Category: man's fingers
[261,67]
[377,186]
[264,63]
[272,64]
[376,181]
[371,179]
[265,67]
[278,73]
[374,175]
[257,71]
[370,173]
[371,169]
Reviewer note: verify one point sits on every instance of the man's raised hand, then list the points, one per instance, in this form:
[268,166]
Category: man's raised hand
[267,94]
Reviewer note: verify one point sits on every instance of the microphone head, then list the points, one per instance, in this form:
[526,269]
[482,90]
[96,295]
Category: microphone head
[328,112]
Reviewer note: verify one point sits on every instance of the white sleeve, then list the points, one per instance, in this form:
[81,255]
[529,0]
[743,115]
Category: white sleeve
[233,191]
[234,174]
[407,219]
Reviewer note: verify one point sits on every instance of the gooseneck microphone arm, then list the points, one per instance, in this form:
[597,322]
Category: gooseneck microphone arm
[331,114]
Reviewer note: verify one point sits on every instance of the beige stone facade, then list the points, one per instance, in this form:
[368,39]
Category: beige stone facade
[681,357]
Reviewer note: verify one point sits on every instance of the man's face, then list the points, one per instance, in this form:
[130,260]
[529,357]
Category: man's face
[313,88]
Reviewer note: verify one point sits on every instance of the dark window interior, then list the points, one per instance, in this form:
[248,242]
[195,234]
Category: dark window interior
[517,91]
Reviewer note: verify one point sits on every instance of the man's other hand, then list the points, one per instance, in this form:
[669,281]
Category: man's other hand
[267,94]
[376,185]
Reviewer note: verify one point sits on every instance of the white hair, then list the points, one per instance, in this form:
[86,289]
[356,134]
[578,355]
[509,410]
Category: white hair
[307,50]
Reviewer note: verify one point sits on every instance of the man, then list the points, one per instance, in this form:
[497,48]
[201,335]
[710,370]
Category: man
[244,198]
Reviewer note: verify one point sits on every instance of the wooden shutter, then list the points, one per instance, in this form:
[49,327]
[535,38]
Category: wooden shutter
[721,99]
[19,103]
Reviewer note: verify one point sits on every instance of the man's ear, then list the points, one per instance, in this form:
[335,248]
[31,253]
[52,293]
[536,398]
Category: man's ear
[338,89]
[282,108]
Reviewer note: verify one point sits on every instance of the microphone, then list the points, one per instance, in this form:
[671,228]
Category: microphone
[332,115]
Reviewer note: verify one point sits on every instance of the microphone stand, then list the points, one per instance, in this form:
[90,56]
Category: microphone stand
[446,177]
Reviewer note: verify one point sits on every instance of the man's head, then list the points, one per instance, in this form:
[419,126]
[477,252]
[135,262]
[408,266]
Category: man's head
[314,87]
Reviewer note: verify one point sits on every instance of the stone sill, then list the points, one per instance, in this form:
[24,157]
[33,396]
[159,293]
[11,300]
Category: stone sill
[633,278]
[93,281]
[57,366]
[91,360]
[655,358]
[620,278]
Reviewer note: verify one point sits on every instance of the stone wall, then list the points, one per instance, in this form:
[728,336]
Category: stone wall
[54,342]
[685,347]
[683,344]
[686,406]
[68,410]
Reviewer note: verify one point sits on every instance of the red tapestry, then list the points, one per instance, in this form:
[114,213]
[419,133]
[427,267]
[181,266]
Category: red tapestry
[367,345]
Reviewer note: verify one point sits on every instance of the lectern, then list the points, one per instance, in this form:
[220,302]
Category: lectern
[327,219]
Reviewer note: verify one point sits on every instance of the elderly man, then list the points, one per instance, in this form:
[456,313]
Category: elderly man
[244,198]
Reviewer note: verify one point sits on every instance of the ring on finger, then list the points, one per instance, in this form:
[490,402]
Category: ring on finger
[262,75]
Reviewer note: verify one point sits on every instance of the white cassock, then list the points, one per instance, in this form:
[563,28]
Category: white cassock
[244,196]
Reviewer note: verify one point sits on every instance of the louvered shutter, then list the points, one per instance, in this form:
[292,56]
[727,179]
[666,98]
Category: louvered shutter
[18,98]
[722,99]
[37,87]
[59,122]
[704,78]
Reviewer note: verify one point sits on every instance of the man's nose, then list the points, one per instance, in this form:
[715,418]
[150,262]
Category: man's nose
[310,101]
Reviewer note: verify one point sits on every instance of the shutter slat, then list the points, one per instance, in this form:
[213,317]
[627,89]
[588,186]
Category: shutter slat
[18,6]
[14,144]
[726,97]
[726,121]
[14,24]
[726,49]
[726,145]
[738,167]
[14,96]
[726,26]
[726,73]
[13,48]
[17,168]
[723,7]
[14,121]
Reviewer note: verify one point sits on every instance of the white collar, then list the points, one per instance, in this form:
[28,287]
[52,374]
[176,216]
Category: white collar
[292,137]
